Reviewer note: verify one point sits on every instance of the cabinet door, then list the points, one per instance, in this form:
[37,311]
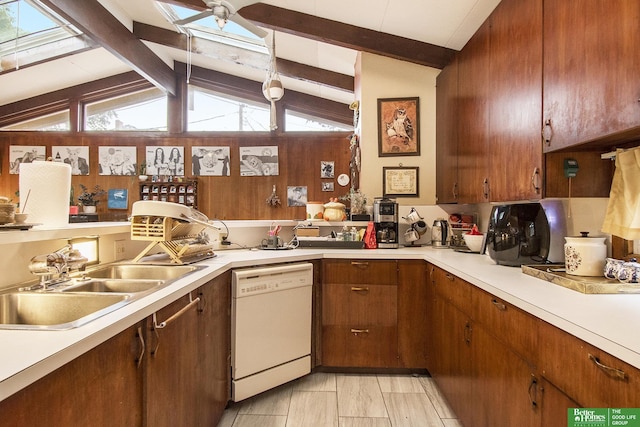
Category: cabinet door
[505,391]
[473,118]
[359,325]
[102,387]
[214,350]
[447,123]
[450,356]
[412,314]
[591,61]
[554,405]
[515,101]
[172,375]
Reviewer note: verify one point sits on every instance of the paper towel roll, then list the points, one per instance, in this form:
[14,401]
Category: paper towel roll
[48,185]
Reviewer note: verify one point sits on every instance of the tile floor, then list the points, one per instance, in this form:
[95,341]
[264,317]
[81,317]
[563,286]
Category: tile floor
[345,400]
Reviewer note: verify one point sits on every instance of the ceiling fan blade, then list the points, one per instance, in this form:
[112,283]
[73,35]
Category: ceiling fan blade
[193,18]
[248,26]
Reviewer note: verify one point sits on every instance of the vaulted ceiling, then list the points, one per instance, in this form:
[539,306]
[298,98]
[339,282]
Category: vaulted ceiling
[317,42]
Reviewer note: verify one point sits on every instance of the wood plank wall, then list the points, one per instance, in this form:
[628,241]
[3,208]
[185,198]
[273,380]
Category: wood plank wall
[229,198]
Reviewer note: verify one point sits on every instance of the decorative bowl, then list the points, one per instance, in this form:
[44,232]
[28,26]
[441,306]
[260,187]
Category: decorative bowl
[474,241]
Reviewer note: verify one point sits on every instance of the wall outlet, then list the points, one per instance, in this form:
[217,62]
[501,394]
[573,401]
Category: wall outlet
[119,249]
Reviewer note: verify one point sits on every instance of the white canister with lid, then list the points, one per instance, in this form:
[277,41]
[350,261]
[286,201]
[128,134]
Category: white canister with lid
[584,255]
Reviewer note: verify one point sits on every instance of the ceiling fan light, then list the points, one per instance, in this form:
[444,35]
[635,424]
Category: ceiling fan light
[221,22]
[221,14]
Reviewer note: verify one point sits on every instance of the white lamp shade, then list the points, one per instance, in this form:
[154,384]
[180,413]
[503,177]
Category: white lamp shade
[273,90]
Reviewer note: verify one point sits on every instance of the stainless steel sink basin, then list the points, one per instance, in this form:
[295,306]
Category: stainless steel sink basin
[114,285]
[142,271]
[57,311]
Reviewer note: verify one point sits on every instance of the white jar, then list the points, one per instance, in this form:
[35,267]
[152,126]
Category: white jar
[585,256]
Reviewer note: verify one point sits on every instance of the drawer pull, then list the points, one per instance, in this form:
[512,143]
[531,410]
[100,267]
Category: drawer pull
[499,305]
[450,277]
[360,264]
[613,372]
[142,347]
[359,289]
[359,331]
[533,392]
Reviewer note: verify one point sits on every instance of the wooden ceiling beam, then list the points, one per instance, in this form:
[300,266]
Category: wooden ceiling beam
[245,57]
[101,26]
[337,33]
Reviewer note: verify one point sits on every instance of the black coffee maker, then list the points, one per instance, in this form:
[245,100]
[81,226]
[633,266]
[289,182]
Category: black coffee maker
[385,220]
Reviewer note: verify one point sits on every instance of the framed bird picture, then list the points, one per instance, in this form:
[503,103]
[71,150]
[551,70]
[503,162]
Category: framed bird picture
[398,127]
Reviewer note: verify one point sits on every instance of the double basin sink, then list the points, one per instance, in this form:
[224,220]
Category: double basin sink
[85,298]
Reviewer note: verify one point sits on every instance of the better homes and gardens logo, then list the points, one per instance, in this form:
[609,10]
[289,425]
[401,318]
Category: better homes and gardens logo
[603,417]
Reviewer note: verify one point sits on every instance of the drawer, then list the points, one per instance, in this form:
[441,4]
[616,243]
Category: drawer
[452,289]
[357,271]
[357,305]
[588,375]
[364,347]
[509,324]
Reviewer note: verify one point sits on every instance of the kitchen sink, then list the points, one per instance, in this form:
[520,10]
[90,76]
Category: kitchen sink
[114,285]
[55,311]
[142,271]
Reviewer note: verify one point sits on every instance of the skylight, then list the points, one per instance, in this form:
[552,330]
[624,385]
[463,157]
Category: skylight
[25,27]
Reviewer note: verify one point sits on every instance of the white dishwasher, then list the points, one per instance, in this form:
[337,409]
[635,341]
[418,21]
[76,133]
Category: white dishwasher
[270,327]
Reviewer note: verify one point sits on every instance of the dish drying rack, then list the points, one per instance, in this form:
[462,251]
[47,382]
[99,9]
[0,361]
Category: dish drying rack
[182,239]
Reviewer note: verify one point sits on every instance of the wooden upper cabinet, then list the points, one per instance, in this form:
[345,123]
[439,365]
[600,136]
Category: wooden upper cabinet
[473,118]
[591,63]
[447,134]
[515,101]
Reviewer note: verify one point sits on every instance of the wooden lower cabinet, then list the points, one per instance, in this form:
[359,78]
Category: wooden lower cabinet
[413,318]
[177,377]
[186,373]
[554,405]
[102,387]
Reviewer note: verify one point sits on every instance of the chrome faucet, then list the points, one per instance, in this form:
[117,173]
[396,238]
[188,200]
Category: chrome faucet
[57,263]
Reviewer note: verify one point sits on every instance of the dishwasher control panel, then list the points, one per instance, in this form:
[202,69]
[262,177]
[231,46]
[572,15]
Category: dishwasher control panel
[255,281]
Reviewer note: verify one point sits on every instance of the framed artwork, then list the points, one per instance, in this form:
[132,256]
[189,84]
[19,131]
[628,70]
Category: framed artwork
[24,154]
[398,127]
[296,195]
[75,156]
[117,160]
[400,182]
[327,169]
[165,161]
[328,186]
[117,198]
[259,161]
[210,161]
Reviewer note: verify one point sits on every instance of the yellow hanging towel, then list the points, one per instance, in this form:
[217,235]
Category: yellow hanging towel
[623,212]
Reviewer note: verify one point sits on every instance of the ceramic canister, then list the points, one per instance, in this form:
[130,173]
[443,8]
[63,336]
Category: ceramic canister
[585,256]
[315,210]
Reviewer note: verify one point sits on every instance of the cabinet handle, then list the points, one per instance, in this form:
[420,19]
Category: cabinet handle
[612,372]
[533,391]
[360,264]
[485,188]
[359,331]
[499,305]
[450,277]
[142,347]
[455,190]
[468,330]
[162,325]
[547,132]
[535,180]
[359,289]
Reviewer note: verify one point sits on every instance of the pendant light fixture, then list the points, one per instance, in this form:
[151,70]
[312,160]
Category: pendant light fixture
[272,87]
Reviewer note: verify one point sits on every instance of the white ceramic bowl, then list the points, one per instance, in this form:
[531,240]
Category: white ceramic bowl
[474,241]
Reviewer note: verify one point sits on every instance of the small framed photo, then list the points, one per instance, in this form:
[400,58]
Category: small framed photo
[398,127]
[400,182]
[117,198]
[327,169]
[328,186]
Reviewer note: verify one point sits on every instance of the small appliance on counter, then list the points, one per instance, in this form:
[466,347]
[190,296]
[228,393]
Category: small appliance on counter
[519,234]
[385,220]
[441,233]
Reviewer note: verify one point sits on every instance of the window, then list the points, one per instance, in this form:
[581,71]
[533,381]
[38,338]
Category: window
[143,110]
[210,111]
[50,122]
[30,32]
[296,122]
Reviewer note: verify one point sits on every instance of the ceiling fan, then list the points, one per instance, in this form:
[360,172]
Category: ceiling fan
[223,11]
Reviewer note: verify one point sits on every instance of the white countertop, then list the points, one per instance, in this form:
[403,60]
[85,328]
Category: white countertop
[606,321]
